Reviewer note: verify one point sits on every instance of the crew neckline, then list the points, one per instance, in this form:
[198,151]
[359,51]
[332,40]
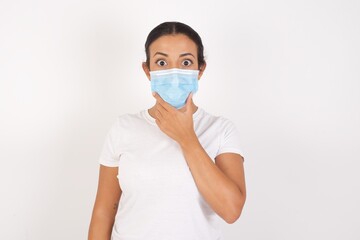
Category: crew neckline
[151,120]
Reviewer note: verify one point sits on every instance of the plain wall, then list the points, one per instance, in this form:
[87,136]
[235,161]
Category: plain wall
[285,72]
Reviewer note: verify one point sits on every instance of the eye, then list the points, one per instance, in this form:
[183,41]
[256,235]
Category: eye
[187,62]
[161,63]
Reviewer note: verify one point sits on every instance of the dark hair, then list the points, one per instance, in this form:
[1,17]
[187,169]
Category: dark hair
[172,28]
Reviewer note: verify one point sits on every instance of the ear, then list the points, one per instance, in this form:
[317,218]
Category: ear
[146,70]
[202,69]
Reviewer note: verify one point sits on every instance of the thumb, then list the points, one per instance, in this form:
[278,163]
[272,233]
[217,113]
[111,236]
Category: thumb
[188,101]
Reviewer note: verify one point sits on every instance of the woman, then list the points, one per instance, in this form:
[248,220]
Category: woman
[174,169]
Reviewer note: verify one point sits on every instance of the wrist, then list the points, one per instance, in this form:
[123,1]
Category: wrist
[189,142]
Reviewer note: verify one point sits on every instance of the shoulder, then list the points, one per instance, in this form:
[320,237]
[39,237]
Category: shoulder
[125,122]
[217,120]
[129,119]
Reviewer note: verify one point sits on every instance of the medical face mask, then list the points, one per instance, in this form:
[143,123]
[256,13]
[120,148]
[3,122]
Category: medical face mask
[174,85]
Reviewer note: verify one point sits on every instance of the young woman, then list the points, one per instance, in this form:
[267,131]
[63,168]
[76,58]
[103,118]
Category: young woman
[174,171]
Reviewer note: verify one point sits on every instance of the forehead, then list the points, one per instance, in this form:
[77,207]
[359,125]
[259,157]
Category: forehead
[178,43]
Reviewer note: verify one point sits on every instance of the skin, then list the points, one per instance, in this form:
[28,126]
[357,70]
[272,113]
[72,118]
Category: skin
[222,184]
[106,203]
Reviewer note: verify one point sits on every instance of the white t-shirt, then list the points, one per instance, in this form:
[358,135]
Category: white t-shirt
[160,200]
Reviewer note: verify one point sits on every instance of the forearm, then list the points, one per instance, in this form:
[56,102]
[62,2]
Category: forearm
[100,226]
[219,191]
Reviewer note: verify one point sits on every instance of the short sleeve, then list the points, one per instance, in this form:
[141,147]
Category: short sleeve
[230,139]
[109,155]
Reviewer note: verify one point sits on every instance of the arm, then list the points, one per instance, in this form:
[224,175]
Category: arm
[106,204]
[222,184]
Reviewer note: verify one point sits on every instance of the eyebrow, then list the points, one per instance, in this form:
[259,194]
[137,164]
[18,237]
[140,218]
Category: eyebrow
[160,53]
[186,54]
[166,55]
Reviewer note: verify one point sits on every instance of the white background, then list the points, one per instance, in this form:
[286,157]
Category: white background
[285,72]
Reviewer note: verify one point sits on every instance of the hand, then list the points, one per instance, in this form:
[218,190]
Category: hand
[176,124]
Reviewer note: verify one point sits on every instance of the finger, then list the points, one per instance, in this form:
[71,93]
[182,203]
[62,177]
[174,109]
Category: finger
[162,102]
[188,100]
[158,115]
[161,109]
[158,99]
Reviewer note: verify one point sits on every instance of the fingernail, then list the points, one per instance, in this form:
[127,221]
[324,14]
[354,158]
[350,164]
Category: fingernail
[153,93]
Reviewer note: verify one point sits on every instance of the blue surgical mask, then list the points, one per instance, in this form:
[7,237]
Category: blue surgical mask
[174,85]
